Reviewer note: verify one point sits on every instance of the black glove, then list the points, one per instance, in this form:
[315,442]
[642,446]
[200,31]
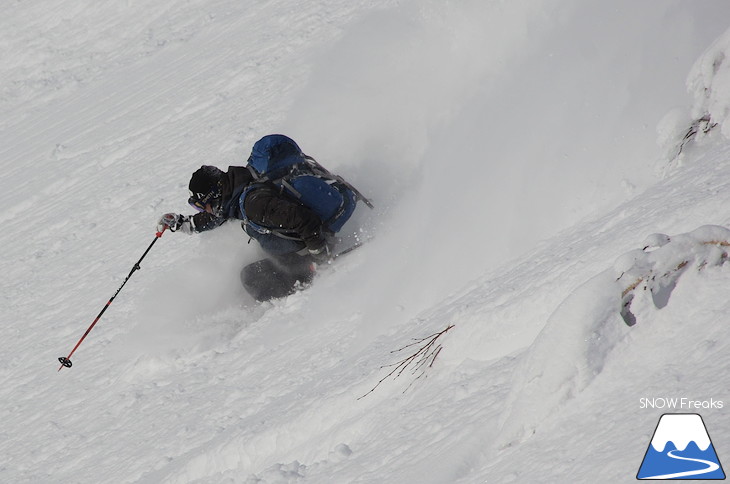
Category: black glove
[175,222]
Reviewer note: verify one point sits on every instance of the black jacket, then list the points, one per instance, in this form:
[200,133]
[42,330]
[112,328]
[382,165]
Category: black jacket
[266,206]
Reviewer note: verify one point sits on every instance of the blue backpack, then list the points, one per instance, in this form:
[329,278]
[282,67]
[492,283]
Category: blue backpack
[277,159]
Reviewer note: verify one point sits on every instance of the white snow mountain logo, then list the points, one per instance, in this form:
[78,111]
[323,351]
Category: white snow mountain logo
[681,449]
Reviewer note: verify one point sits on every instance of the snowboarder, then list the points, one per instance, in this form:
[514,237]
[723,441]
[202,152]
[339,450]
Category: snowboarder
[286,201]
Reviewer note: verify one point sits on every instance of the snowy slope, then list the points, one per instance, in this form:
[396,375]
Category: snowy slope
[510,148]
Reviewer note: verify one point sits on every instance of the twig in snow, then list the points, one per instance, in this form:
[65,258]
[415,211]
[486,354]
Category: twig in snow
[421,360]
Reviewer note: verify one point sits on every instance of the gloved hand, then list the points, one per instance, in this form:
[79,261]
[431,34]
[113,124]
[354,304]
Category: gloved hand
[175,222]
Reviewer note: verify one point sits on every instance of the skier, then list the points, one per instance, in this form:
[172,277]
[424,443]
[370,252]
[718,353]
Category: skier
[294,226]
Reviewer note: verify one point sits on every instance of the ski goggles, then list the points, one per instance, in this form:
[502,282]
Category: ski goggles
[196,204]
[199,200]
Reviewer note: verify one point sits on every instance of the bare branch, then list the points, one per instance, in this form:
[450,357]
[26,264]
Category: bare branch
[417,362]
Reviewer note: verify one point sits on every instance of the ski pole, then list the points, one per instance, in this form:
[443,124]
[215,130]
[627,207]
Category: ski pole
[66,360]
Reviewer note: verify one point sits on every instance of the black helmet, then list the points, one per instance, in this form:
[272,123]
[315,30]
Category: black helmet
[206,188]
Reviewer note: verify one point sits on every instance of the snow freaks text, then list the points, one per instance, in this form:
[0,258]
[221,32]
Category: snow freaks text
[679,403]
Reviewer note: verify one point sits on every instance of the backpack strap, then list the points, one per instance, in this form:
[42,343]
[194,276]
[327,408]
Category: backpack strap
[254,173]
[283,180]
[326,174]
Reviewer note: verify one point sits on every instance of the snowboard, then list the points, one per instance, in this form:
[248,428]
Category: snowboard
[268,279]
[274,278]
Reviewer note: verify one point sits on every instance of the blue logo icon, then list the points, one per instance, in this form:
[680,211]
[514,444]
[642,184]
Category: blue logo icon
[681,449]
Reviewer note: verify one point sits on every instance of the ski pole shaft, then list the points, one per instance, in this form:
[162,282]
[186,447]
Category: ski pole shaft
[66,360]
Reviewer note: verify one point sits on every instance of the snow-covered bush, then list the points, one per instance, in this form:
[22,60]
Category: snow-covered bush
[656,268]
[709,83]
[578,338]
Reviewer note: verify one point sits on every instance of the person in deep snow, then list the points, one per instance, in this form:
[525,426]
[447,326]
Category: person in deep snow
[295,227]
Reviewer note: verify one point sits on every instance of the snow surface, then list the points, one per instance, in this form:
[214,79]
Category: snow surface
[523,157]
